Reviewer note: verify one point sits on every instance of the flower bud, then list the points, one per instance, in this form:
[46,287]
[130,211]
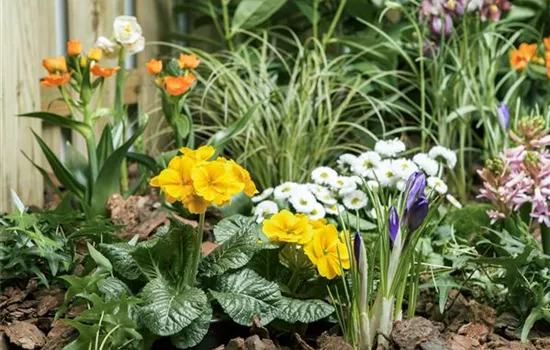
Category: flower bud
[417,213]
[74,47]
[154,67]
[416,183]
[504,115]
[95,54]
[393,224]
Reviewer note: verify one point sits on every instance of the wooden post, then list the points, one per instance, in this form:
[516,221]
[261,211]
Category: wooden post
[156,20]
[20,38]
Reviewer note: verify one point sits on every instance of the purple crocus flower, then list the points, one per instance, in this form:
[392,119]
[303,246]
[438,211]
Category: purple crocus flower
[417,213]
[504,115]
[357,244]
[416,183]
[393,224]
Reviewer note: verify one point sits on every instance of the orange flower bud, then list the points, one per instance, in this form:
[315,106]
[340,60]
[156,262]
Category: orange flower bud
[154,66]
[188,61]
[99,71]
[176,86]
[547,43]
[54,65]
[95,54]
[74,47]
[55,80]
[547,58]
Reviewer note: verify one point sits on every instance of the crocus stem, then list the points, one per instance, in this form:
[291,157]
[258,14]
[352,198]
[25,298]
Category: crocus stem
[119,117]
[545,237]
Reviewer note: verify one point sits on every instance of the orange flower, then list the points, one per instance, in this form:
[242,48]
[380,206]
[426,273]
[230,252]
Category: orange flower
[547,43]
[188,61]
[55,80]
[54,65]
[547,58]
[95,54]
[520,58]
[176,86]
[99,71]
[154,66]
[74,47]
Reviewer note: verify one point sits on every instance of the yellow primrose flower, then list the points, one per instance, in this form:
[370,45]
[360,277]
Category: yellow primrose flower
[287,227]
[243,176]
[201,154]
[326,250]
[195,204]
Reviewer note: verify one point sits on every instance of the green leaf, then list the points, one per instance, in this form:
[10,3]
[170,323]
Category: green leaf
[113,288]
[152,258]
[120,256]
[233,225]
[219,139]
[535,315]
[306,8]
[357,223]
[45,175]
[105,146]
[61,172]
[240,204]
[520,13]
[195,332]
[304,311]
[167,311]
[99,259]
[77,164]
[232,254]
[245,294]
[143,159]
[107,181]
[64,122]
[250,13]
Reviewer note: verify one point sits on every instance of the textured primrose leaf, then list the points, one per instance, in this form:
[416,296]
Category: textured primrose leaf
[244,294]
[236,224]
[120,256]
[304,311]
[233,253]
[113,288]
[152,257]
[195,332]
[166,311]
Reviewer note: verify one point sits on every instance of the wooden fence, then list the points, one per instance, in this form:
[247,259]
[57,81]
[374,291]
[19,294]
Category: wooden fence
[33,29]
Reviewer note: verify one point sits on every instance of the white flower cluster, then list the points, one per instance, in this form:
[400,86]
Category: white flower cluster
[332,192]
[126,32]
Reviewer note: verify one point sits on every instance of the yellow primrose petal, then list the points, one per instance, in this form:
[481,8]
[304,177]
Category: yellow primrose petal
[325,269]
[195,204]
[201,154]
[211,181]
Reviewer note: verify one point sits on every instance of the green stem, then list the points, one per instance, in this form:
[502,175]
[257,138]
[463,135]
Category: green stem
[92,153]
[334,22]
[175,115]
[545,237]
[228,34]
[194,268]
[119,115]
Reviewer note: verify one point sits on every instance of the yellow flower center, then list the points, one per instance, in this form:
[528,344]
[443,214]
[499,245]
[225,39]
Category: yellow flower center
[355,201]
[303,201]
[389,173]
[314,212]
[324,175]
[127,28]
[286,189]
[367,164]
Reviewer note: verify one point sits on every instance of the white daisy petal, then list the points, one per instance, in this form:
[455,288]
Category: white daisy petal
[318,212]
[437,184]
[427,164]
[345,161]
[355,200]
[443,155]
[284,190]
[265,209]
[365,164]
[303,201]
[264,195]
[323,175]
[334,209]
[389,148]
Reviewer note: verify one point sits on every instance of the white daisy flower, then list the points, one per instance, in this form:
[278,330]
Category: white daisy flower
[345,161]
[373,185]
[437,184]
[358,180]
[355,200]
[385,174]
[453,201]
[349,186]
[404,168]
[323,175]
[443,155]
[318,212]
[325,196]
[389,148]
[265,209]
[284,190]
[339,182]
[334,209]
[365,164]
[266,193]
[303,201]
[401,185]
[427,164]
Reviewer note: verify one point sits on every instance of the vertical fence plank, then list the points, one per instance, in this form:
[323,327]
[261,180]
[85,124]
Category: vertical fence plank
[47,47]
[20,66]
[88,20]
[156,19]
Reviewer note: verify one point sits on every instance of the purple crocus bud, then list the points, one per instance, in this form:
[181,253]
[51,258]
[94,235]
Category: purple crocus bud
[448,25]
[393,224]
[417,213]
[357,244]
[416,183]
[504,115]
[436,24]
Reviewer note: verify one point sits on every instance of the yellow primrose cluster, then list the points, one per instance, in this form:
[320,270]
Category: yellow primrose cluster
[322,244]
[198,182]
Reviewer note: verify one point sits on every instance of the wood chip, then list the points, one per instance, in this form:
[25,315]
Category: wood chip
[25,335]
